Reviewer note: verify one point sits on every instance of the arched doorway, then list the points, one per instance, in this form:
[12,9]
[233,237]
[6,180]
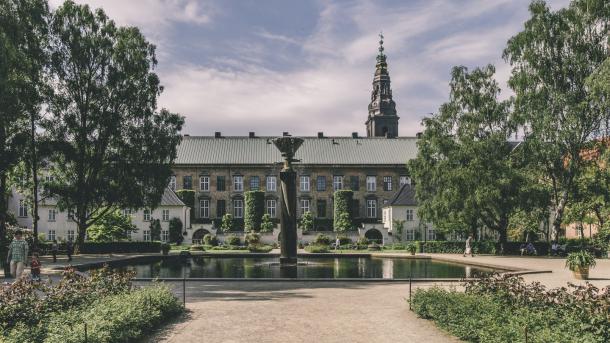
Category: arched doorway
[374,235]
[198,236]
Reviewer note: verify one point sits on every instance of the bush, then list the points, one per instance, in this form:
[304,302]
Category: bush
[321,239]
[197,247]
[113,247]
[255,209]
[252,238]
[317,248]
[306,222]
[267,224]
[233,240]
[260,248]
[210,240]
[175,230]
[362,242]
[374,247]
[165,248]
[344,240]
[188,198]
[342,220]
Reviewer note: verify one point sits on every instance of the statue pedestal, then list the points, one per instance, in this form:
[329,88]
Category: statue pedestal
[288,217]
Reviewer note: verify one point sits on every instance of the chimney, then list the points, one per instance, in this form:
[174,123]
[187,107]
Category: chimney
[320,134]
[418,135]
[285,134]
[354,134]
[217,134]
[251,134]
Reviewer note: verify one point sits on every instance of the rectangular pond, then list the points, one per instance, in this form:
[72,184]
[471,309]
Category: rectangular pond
[308,268]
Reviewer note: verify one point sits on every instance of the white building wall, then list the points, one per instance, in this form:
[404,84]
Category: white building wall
[392,213]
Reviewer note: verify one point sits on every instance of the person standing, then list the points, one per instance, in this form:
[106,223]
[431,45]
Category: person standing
[337,243]
[35,267]
[69,249]
[54,249]
[17,254]
[468,250]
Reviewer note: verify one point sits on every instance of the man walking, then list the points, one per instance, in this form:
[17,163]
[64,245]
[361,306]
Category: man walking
[17,254]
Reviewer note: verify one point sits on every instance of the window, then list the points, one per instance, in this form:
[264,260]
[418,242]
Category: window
[164,235]
[255,183]
[356,208]
[371,183]
[70,235]
[321,207]
[187,182]
[220,183]
[146,215]
[221,208]
[165,215]
[304,206]
[70,214]
[271,183]
[147,235]
[204,208]
[51,235]
[409,215]
[354,182]
[371,208]
[52,213]
[384,216]
[404,180]
[410,234]
[204,183]
[271,205]
[238,208]
[126,212]
[238,183]
[128,233]
[23,208]
[337,182]
[172,182]
[321,183]
[304,183]
[387,183]
[431,234]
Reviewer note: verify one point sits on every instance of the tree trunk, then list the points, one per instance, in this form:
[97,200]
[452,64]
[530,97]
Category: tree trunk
[82,230]
[559,209]
[3,211]
[34,165]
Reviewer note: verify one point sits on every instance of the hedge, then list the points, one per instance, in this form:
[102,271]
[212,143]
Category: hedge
[342,205]
[255,208]
[188,198]
[479,247]
[119,247]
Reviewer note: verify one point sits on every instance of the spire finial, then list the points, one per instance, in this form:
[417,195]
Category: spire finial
[381,43]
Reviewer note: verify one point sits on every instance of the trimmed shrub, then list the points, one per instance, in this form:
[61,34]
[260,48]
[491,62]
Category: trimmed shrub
[255,208]
[175,230]
[321,239]
[267,223]
[227,224]
[252,238]
[261,248]
[188,198]
[117,247]
[317,248]
[306,222]
[210,240]
[233,240]
[479,247]
[362,241]
[344,240]
[343,210]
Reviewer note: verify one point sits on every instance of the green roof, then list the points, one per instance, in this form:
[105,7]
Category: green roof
[200,150]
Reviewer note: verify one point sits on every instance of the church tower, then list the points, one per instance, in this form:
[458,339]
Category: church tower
[382,120]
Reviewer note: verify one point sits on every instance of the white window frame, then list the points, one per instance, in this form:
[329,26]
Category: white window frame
[271,182]
[146,215]
[165,215]
[337,182]
[238,183]
[430,234]
[51,235]
[305,206]
[371,183]
[70,235]
[387,180]
[204,208]
[271,205]
[23,208]
[305,183]
[126,212]
[204,183]
[172,182]
[164,235]
[147,235]
[258,183]
[409,215]
[238,208]
[410,234]
[371,208]
[52,215]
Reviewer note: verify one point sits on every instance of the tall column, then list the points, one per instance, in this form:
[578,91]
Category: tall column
[288,218]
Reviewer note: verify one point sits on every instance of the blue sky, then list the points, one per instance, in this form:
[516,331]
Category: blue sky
[306,66]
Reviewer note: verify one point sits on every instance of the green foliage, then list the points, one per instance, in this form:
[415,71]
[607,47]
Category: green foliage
[306,222]
[362,242]
[227,223]
[114,247]
[255,209]
[398,226]
[317,249]
[322,239]
[112,226]
[343,210]
[197,247]
[267,224]
[344,240]
[188,198]
[233,240]
[580,260]
[210,240]
[252,238]
[175,230]
[259,248]
[412,248]
[497,309]
[155,229]
[165,248]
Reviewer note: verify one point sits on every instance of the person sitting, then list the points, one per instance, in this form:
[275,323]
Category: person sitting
[555,249]
[531,250]
[522,249]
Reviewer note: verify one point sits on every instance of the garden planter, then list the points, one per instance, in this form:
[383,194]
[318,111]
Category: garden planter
[581,273]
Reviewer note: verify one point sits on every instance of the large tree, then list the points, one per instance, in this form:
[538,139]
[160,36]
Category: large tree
[22,24]
[551,60]
[465,172]
[112,147]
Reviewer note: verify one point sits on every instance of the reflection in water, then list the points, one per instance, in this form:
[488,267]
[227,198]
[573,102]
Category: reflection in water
[325,267]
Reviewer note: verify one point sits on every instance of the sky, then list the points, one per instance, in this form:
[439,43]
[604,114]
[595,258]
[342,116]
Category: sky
[303,66]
